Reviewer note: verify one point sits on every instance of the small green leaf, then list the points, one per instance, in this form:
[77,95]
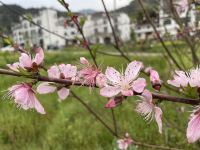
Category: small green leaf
[8,41]
[95,49]
[69,14]
[23,71]
[29,17]
[82,21]
[61,2]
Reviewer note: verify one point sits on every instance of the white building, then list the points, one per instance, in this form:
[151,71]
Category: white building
[164,23]
[97,28]
[27,32]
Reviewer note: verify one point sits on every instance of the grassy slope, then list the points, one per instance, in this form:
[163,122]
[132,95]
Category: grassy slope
[68,125]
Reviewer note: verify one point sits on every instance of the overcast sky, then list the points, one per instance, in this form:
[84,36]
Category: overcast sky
[75,5]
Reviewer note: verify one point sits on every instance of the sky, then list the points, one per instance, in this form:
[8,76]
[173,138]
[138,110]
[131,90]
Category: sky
[75,5]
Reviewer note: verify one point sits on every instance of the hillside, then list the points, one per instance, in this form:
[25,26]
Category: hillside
[8,17]
[134,9]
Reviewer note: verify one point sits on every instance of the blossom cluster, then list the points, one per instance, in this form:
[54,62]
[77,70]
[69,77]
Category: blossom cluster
[114,85]
[191,79]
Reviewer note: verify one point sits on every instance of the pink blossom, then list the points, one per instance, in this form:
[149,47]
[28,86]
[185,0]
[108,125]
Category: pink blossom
[182,6]
[124,143]
[155,79]
[111,103]
[24,97]
[114,102]
[84,61]
[60,72]
[88,72]
[193,129]
[180,79]
[148,109]
[101,80]
[147,70]
[14,66]
[47,87]
[124,83]
[194,79]
[26,62]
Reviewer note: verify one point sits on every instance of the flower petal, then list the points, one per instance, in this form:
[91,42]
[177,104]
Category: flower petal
[109,91]
[101,80]
[193,129]
[127,93]
[54,72]
[139,85]
[69,71]
[110,104]
[180,79]
[194,77]
[63,93]
[84,61]
[147,96]
[45,88]
[122,144]
[14,66]
[39,108]
[25,60]
[39,57]
[132,70]
[154,77]
[113,75]
[158,118]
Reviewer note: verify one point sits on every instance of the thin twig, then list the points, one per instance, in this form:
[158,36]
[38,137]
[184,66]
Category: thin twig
[93,113]
[114,132]
[114,121]
[82,34]
[158,35]
[114,34]
[69,82]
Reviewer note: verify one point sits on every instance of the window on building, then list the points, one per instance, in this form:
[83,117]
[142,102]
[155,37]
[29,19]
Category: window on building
[72,25]
[96,31]
[40,32]
[187,19]
[97,40]
[33,33]
[105,29]
[65,33]
[26,35]
[39,22]
[72,33]
[104,21]
[25,25]
[167,21]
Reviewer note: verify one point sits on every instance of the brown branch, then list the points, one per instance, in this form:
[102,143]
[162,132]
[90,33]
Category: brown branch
[69,82]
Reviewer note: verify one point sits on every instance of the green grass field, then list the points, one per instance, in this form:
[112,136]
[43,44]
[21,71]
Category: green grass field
[68,125]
